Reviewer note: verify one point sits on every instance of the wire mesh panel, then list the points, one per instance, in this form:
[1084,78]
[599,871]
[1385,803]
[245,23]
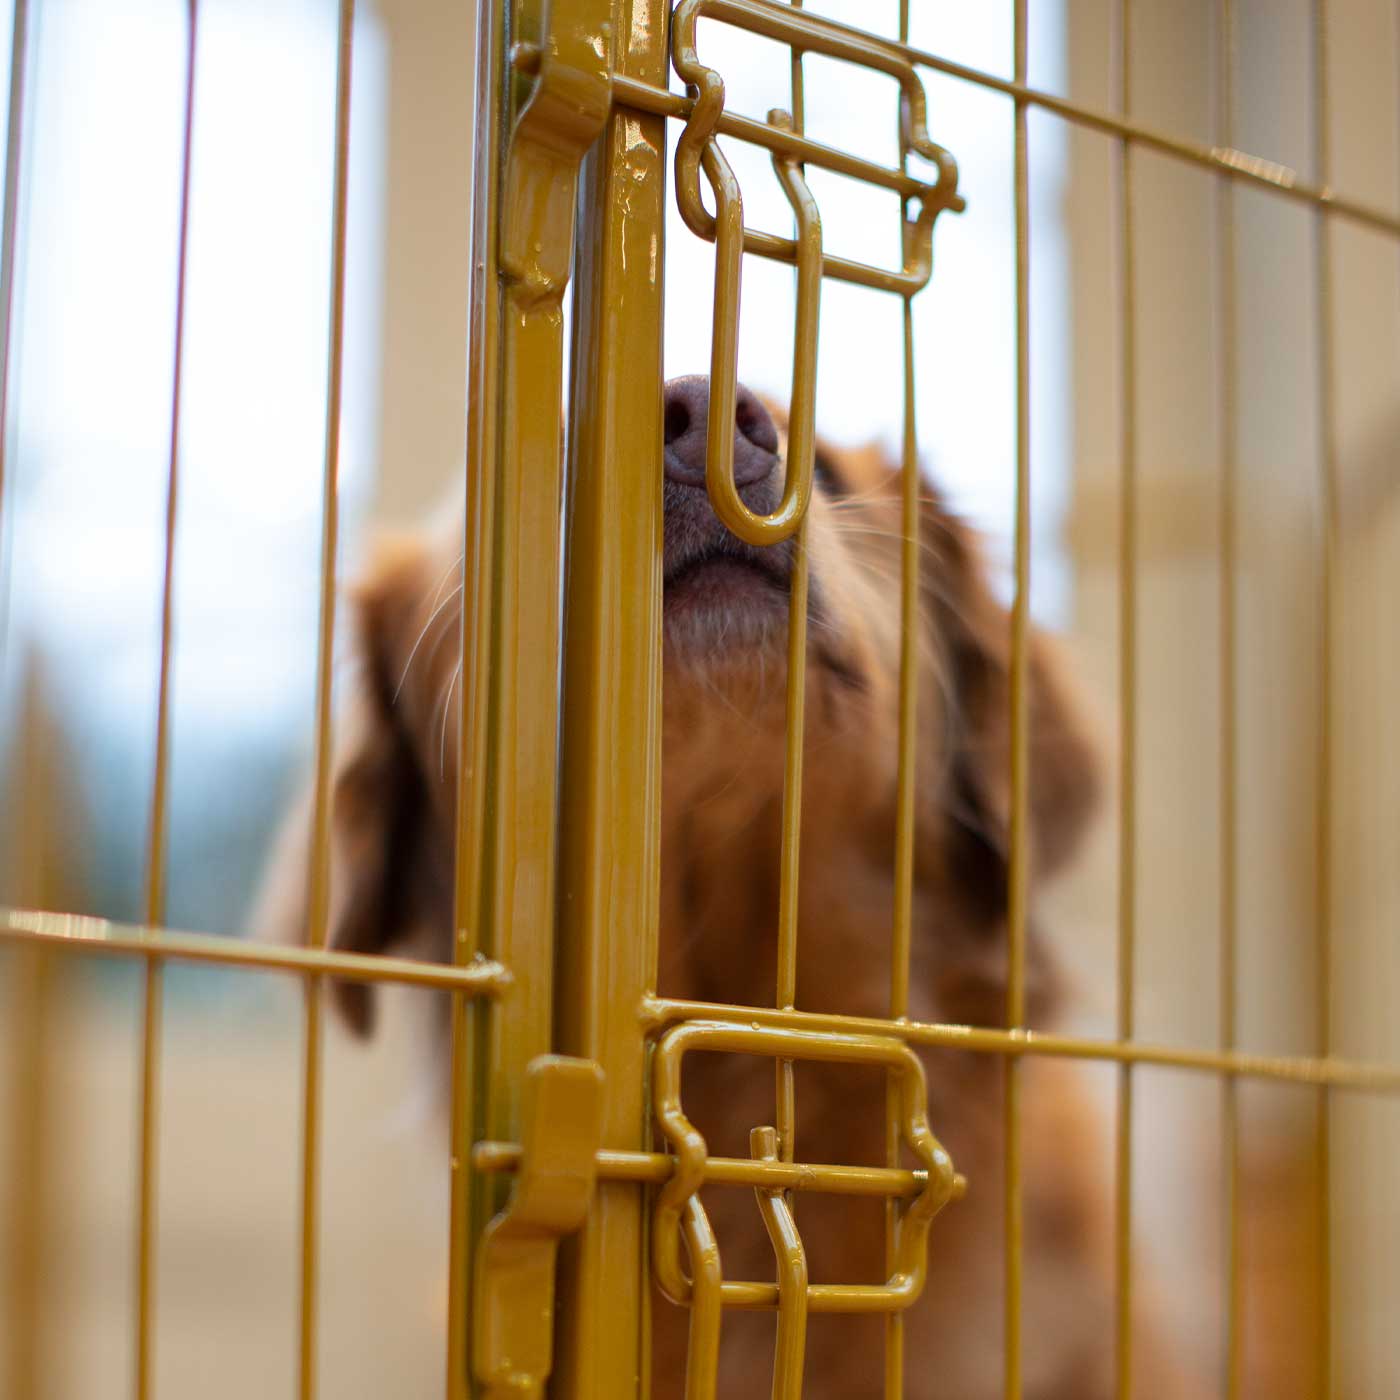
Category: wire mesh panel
[591,1199]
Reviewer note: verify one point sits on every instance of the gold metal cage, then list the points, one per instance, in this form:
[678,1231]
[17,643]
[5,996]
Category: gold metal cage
[564,1057]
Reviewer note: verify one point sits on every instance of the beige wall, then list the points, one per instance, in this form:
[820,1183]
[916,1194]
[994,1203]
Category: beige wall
[1179,286]
[1366,268]
[428,162]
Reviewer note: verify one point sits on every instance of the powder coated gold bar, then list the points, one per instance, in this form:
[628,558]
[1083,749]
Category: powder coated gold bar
[656,1168]
[698,150]
[910,625]
[677,1196]
[1019,863]
[1243,165]
[1128,726]
[1329,492]
[318,895]
[1355,1075]
[467,1210]
[610,786]
[149,1130]
[76,933]
[31,1035]
[1229,699]
[599,1003]
[800,457]
[509,767]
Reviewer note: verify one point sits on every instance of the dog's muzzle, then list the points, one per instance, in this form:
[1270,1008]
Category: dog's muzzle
[695,538]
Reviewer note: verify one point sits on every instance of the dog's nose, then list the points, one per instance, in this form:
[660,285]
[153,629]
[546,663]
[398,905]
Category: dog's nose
[687,403]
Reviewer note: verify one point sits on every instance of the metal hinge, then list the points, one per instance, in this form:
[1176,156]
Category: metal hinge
[564,115]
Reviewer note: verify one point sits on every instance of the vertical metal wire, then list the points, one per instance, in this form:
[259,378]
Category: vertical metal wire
[908,650]
[791,1338]
[799,98]
[32,974]
[152,992]
[31,969]
[468,1096]
[1229,766]
[609,796]
[512,652]
[1127,661]
[794,728]
[908,756]
[155,856]
[775,1207]
[318,902]
[1019,719]
[1327,422]
[904,818]
[792,832]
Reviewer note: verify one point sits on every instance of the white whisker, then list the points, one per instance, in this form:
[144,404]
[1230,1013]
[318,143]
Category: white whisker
[436,613]
[446,711]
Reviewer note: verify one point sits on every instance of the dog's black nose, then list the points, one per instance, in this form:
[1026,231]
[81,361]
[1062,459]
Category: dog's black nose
[687,403]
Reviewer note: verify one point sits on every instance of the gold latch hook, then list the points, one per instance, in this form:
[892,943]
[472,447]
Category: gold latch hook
[562,1129]
[566,111]
[719,451]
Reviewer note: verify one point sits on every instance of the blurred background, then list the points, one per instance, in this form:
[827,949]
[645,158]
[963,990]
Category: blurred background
[80,580]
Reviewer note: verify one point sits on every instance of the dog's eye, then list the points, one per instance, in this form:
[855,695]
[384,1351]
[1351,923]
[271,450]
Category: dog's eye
[825,475]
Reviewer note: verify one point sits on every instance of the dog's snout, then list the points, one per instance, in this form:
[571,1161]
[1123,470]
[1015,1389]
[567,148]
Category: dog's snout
[687,403]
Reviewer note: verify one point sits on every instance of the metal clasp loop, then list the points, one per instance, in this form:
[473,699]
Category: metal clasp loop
[724,352]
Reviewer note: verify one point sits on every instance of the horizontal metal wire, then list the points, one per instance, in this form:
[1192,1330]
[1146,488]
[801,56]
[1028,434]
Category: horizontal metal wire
[782,141]
[1223,160]
[1241,165]
[1359,1075]
[656,1167]
[643,97]
[74,932]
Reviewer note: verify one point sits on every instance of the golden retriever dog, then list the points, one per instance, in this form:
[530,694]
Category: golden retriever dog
[725,620]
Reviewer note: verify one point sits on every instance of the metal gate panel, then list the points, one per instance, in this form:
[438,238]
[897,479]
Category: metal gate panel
[565,1060]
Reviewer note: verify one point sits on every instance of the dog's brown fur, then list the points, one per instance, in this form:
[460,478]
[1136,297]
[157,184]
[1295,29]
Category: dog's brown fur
[724,687]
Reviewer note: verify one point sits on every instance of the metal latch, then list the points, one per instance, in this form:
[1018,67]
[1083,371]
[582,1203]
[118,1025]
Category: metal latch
[565,114]
[562,1129]
[561,1156]
[680,1216]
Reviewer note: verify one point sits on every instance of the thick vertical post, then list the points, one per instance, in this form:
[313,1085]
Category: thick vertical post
[611,779]
[508,779]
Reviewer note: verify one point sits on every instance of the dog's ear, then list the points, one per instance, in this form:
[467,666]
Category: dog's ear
[387,887]
[389,884]
[972,646]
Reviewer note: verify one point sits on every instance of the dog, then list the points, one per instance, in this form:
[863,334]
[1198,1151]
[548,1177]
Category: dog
[725,612]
